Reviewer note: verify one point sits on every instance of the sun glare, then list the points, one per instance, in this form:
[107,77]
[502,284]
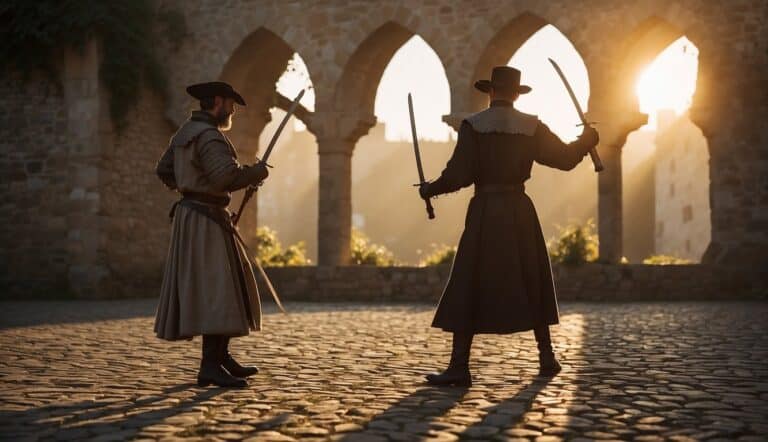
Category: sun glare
[669,81]
[295,78]
[414,68]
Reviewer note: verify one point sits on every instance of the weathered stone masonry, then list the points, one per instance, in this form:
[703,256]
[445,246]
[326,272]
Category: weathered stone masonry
[82,211]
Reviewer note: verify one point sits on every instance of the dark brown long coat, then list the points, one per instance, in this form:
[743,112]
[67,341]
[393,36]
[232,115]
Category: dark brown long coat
[501,280]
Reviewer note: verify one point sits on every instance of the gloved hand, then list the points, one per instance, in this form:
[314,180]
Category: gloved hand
[589,136]
[261,171]
[424,190]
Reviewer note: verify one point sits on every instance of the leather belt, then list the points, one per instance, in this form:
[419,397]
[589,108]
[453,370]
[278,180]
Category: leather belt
[500,188]
[214,200]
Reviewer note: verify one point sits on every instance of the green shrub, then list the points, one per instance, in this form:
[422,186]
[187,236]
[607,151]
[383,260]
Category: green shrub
[366,253]
[576,244]
[439,255]
[271,254]
[663,260]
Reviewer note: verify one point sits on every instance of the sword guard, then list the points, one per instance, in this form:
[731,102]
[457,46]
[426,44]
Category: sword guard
[259,160]
[587,123]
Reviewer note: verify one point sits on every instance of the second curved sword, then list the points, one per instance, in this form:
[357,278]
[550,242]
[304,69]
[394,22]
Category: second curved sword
[593,152]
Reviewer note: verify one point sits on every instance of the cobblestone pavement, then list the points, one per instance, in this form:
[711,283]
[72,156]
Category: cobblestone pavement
[675,371]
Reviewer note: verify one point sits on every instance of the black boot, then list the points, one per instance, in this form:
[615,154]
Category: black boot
[231,365]
[457,372]
[548,365]
[211,371]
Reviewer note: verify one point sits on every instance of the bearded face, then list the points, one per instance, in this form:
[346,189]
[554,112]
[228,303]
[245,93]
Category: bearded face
[224,118]
[223,113]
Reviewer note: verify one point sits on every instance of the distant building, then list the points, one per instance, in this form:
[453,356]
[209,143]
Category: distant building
[683,224]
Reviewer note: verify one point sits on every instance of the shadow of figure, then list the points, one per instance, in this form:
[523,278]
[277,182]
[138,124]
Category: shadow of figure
[87,419]
[508,413]
[397,422]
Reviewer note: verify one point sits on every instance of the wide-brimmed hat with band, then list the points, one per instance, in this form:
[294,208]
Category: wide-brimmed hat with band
[503,78]
[215,89]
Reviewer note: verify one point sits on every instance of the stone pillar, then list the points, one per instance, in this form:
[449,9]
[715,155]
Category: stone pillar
[335,202]
[737,140]
[614,127]
[83,101]
[336,133]
[609,202]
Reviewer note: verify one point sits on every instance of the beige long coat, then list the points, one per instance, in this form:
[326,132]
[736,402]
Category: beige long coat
[208,286]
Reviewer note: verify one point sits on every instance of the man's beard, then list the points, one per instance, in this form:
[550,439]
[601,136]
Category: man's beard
[224,120]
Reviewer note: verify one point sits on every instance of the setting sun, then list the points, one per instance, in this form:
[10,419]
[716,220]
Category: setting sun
[669,81]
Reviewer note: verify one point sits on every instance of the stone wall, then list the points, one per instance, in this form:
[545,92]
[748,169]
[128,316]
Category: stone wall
[591,282]
[35,190]
[346,46]
[82,212]
[135,203]
[82,209]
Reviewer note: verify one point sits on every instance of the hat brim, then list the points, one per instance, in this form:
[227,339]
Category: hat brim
[238,98]
[486,86]
[200,91]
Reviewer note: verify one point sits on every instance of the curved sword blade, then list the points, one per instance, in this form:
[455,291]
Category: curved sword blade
[419,167]
[570,91]
[276,135]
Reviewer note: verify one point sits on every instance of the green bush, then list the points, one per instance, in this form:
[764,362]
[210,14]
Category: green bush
[271,254]
[663,260]
[576,244]
[439,255]
[366,253]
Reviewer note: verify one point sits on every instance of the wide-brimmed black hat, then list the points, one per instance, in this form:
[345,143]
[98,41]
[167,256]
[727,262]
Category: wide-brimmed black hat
[215,89]
[504,78]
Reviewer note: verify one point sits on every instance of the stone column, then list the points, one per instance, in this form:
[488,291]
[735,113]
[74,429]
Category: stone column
[617,116]
[728,115]
[335,201]
[609,202]
[337,133]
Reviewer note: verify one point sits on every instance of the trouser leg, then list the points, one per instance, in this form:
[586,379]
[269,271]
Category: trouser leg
[461,348]
[543,339]
[211,352]
[211,371]
[457,372]
[548,365]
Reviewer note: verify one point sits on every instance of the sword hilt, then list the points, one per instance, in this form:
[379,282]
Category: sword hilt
[430,209]
[596,161]
[428,202]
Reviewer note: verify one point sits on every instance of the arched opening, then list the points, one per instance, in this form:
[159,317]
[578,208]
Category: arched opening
[665,163]
[288,201]
[383,163]
[560,197]
[388,64]
[269,74]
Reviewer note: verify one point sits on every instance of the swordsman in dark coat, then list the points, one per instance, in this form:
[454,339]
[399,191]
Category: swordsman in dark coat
[501,280]
[209,287]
